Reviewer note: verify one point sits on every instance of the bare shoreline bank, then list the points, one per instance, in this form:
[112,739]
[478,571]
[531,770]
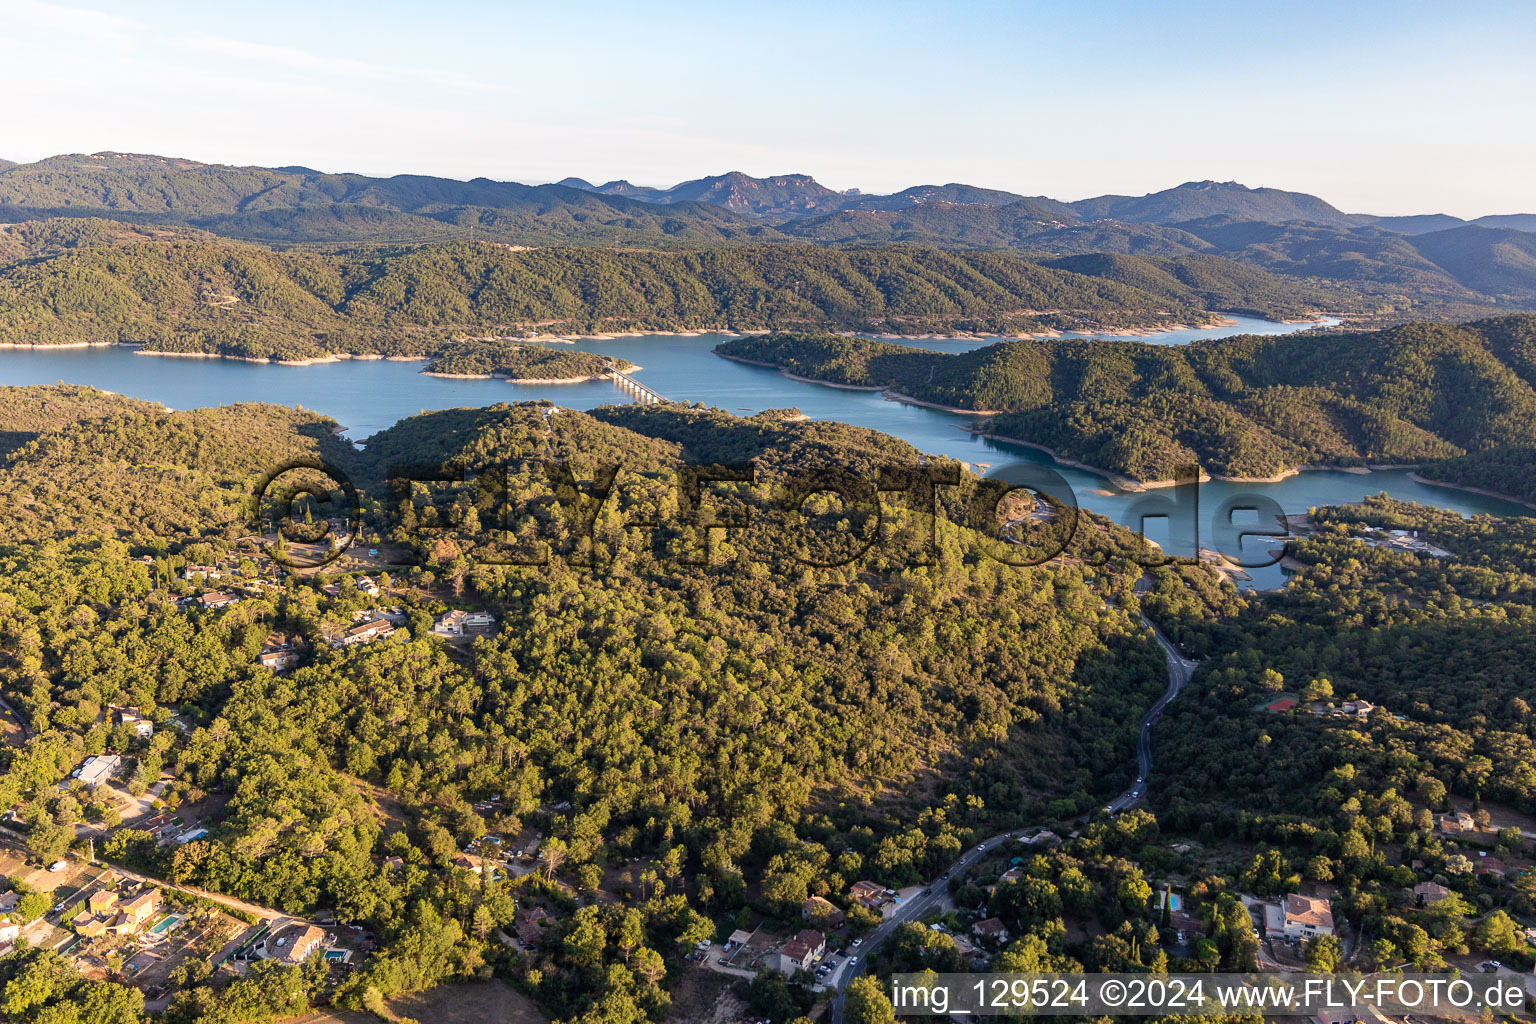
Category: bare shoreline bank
[1484,491]
[1126,484]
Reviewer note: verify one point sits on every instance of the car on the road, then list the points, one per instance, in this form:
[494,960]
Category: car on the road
[927,891]
[855,944]
[853,960]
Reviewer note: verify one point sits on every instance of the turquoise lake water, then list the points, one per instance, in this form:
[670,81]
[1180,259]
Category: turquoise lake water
[367,396]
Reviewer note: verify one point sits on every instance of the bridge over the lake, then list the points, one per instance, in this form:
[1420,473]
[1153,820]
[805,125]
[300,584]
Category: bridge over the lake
[643,395]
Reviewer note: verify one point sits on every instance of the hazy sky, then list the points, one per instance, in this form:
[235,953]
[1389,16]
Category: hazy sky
[1384,107]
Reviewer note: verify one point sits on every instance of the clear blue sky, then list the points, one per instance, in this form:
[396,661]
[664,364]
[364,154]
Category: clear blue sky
[1381,107]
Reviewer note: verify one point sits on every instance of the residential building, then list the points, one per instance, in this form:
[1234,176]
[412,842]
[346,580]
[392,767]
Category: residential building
[1307,917]
[102,901]
[217,600]
[1461,821]
[278,661]
[991,930]
[142,907]
[823,912]
[874,897]
[529,925]
[1359,708]
[367,586]
[801,951]
[89,925]
[1429,893]
[143,727]
[9,930]
[99,769]
[367,632]
[1185,925]
[461,623]
[1490,866]
[201,572]
[305,944]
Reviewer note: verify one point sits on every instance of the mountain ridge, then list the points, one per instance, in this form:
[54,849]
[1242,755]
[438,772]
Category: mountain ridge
[1394,263]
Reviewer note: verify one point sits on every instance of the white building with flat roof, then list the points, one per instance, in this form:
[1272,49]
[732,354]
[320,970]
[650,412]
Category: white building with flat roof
[97,770]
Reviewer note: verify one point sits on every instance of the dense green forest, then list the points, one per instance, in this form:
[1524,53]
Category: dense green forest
[518,362]
[1509,469]
[1386,267]
[195,293]
[1441,646]
[711,724]
[1244,406]
[722,721]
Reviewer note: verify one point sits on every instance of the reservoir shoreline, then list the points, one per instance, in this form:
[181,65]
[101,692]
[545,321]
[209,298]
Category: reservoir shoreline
[370,395]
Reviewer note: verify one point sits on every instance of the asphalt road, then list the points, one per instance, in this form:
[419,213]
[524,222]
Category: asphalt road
[1180,669]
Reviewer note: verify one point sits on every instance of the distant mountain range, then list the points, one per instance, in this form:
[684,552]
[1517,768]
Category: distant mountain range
[1394,263]
[800,195]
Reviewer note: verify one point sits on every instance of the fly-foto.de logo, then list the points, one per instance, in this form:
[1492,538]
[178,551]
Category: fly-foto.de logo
[526,513]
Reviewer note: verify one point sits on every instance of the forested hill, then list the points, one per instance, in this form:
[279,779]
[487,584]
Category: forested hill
[1441,645]
[98,281]
[1386,266]
[138,472]
[296,204]
[752,727]
[28,412]
[1245,406]
[1198,199]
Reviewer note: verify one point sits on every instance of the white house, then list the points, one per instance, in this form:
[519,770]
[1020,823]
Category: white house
[1307,917]
[97,770]
[458,622]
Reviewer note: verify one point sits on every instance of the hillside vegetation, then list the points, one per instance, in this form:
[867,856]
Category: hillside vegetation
[517,362]
[739,730]
[1387,267]
[1245,406]
[195,293]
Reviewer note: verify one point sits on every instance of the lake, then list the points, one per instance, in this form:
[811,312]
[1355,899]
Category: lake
[367,396]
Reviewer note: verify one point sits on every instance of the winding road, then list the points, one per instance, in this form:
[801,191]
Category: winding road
[1180,669]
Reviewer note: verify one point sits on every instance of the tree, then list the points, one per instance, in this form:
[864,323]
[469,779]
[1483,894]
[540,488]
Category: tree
[1498,934]
[649,965]
[867,1003]
[32,906]
[1383,953]
[1323,953]
[49,841]
[552,852]
[769,994]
